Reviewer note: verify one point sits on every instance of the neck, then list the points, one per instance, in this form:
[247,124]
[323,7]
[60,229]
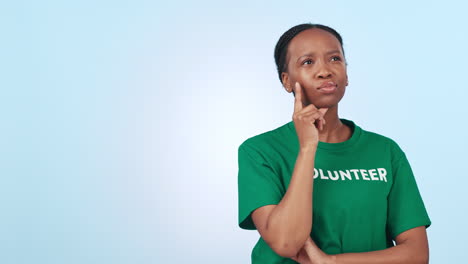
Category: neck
[334,131]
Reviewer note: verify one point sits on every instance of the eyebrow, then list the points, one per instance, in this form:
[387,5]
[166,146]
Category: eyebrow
[312,54]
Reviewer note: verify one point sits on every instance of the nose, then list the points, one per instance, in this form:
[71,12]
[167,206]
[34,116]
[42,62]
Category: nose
[323,72]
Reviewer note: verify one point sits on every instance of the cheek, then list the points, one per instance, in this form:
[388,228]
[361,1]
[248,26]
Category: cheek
[302,77]
[343,75]
[305,76]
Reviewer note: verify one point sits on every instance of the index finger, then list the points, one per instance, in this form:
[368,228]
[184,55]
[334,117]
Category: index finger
[298,97]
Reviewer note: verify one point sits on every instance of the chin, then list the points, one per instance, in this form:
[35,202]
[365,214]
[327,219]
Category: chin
[326,103]
[329,102]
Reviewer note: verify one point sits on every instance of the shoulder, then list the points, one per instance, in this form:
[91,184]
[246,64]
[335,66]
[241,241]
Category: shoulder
[268,138]
[383,141]
[373,136]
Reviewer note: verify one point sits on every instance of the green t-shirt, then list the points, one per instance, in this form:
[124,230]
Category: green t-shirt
[365,193]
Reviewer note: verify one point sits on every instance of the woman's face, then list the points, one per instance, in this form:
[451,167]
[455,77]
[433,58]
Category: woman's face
[315,60]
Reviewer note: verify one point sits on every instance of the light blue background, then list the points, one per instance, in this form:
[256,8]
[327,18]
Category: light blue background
[121,119]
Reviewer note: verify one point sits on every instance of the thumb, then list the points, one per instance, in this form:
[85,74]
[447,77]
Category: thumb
[323,110]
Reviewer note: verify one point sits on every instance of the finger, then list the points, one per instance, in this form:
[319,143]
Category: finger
[311,115]
[298,101]
[310,107]
[323,110]
[312,251]
[322,121]
[311,118]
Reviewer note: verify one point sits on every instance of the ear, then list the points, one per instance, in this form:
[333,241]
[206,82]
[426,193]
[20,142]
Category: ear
[286,82]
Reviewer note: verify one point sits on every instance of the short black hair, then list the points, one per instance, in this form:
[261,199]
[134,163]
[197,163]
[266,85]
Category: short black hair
[281,48]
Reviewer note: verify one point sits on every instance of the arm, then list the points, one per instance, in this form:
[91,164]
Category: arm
[411,248]
[286,226]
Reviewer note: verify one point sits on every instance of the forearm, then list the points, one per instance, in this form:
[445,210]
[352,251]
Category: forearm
[291,219]
[412,248]
[403,253]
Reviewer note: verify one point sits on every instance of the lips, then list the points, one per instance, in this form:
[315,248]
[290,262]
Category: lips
[327,87]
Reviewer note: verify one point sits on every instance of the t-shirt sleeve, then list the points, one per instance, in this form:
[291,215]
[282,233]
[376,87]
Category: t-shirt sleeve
[406,208]
[258,184]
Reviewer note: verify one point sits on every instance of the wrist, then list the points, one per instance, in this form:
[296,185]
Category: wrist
[310,148]
[332,259]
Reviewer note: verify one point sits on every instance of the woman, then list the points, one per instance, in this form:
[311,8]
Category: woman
[320,189]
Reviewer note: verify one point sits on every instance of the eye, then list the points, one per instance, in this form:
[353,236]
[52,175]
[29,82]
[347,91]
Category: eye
[336,58]
[307,62]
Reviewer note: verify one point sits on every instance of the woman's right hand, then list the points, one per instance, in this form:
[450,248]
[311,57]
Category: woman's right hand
[310,253]
[302,257]
[307,120]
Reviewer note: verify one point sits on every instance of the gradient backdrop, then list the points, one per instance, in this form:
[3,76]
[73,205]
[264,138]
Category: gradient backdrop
[121,120]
